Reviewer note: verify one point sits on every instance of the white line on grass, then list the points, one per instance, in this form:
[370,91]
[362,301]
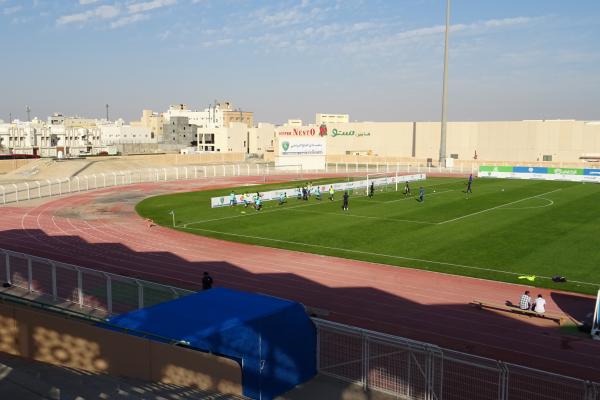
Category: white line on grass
[548,204]
[365,216]
[493,208]
[285,208]
[378,254]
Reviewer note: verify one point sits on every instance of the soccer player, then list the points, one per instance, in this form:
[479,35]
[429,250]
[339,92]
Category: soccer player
[282,198]
[406,189]
[469,190]
[331,192]
[258,203]
[372,189]
[232,199]
[421,194]
[246,199]
[318,193]
[345,205]
[299,193]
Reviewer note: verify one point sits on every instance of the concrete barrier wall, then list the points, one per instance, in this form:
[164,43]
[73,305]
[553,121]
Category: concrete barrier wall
[10,165]
[72,343]
[183,159]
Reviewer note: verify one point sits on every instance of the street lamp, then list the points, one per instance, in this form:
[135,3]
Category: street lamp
[445,91]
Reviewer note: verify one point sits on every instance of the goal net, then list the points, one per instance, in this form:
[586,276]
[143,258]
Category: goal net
[379,182]
[274,173]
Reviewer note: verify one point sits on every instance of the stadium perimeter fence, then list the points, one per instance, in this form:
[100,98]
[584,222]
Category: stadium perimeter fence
[16,192]
[22,191]
[399,367]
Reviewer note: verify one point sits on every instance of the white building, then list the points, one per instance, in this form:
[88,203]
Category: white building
[120,133]
[331,119]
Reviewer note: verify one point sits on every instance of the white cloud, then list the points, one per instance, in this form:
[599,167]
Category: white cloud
[101,12]
[149,5]
[86,2]
[11,10]
[130,19]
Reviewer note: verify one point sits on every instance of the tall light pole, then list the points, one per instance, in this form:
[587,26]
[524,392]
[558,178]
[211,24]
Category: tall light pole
[445,91]
[28,110]
[107,112]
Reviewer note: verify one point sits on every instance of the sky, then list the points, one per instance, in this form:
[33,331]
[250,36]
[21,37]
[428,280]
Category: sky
[377,60]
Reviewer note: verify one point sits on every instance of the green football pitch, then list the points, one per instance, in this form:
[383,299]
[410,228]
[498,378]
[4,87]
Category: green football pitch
[504,230]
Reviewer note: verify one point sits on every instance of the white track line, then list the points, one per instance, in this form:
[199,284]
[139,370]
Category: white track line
[378,254]
[493,208]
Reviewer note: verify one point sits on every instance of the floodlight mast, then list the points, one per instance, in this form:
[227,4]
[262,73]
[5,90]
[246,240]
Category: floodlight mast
[445,91]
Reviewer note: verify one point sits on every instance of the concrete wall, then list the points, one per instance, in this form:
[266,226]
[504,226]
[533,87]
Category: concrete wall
[71,343]
[10,165]
[510,141]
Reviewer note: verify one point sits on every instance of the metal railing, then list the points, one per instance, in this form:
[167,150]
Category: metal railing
[17,192]
[408,369]
[87,288]
[403,368]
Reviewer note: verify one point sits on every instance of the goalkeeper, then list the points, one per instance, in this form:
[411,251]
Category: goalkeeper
[372,189]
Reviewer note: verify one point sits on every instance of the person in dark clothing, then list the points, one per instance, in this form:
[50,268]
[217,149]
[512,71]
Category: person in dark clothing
[469,183]
[345,205]
[207,281]
[372,189]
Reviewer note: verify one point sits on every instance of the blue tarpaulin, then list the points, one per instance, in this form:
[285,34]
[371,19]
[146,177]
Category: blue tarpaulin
[273,339]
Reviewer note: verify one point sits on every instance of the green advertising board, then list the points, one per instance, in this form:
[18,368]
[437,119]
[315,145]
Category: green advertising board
[566,171]
[490,168]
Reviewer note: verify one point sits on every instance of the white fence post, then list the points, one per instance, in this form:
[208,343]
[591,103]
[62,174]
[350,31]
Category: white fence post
[29,275]
[49,187]
[3,195]
[176,173]
[16,192]
[39,189]
[109,304]
[140,295]
[7,265]
[79,288]
[54,286]
[165,172]
[186,172]
[28,191]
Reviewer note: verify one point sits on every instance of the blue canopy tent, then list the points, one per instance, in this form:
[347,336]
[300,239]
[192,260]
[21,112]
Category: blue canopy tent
[273,339]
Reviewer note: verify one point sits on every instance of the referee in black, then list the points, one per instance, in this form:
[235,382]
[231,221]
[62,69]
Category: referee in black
[345,205]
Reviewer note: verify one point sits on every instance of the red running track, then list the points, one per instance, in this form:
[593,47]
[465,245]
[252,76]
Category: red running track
[101,230]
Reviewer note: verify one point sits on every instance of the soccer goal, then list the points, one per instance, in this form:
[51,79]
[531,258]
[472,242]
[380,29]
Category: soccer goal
[271,173]
[382,182]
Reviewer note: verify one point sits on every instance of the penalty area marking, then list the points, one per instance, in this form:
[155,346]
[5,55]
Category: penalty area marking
[268,211]
[496,207]
[548,204]
[319,246]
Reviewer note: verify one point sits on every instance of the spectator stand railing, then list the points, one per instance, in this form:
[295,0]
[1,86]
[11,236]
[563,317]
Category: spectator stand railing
[17,192]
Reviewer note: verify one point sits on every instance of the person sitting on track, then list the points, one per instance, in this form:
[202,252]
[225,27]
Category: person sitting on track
[525,301]
[539,305]
[150,223]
